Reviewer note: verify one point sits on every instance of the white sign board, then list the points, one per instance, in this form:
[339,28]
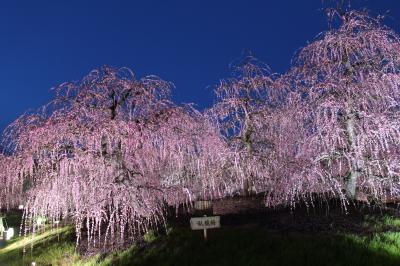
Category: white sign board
[8,234]
[201,223]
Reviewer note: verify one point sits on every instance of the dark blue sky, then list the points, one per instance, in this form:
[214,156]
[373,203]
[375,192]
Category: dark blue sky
[190,43]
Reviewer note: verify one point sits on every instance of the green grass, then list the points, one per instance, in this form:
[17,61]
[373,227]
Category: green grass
[226,246]
[378,223]
[44,249]
[255,246]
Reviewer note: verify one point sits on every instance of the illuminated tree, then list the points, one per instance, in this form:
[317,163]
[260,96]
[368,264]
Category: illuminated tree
[245,114]
[347,94]
[112,152]
[260,125]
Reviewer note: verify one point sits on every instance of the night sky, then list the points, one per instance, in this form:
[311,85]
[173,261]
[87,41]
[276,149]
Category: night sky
[190,43]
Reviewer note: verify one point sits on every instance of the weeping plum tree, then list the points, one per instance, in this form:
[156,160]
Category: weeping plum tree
[347,94]
[327,127]
[255,116]
[245,113]
[73,153]
[110,152]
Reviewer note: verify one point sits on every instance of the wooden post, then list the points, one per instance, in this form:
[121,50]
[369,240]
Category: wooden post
[2,228]
[205,232]
[58,233]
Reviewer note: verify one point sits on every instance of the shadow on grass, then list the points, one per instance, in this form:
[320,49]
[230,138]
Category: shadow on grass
[257,247]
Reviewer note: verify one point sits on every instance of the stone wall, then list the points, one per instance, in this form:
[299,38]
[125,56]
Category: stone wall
[237,205]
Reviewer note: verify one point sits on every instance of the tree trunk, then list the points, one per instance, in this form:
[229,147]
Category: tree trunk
[246,188]
[249,147]
[354,163]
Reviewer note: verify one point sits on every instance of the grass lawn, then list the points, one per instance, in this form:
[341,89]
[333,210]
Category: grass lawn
[233,245]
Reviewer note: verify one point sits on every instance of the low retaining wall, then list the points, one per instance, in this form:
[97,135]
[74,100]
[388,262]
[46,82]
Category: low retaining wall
[237,205]
[234,205]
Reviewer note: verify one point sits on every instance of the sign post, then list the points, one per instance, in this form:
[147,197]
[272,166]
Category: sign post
[205,223]
[2,228]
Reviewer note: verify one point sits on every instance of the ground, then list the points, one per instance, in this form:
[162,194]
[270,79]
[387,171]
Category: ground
[362,236]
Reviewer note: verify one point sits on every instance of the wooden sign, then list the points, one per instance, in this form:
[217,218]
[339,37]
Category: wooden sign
[207,222]
[204,223]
